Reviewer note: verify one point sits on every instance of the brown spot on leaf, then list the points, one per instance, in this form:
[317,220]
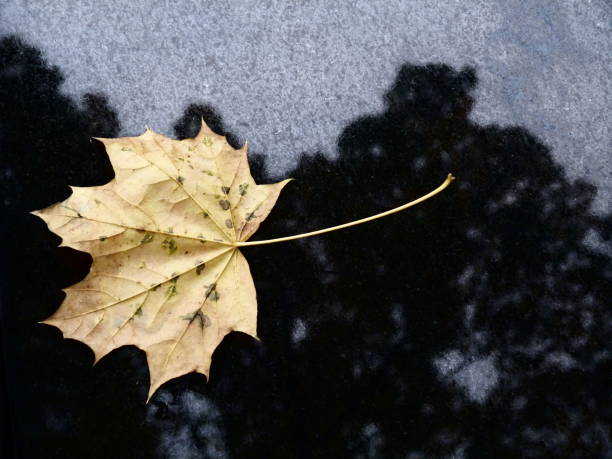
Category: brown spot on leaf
[225,189]
[170,245]
[204,320]
[224,203]
[212,293]
[146,238]
[200,268]
[229,223]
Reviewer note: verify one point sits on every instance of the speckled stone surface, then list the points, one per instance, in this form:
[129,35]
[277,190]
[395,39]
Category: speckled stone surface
[288,76]
[477,325]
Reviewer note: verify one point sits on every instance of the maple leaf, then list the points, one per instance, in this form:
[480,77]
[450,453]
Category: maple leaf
[167,273]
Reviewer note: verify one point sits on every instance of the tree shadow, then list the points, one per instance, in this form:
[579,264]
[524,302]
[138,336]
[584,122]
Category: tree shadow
[57,405]
[476,324]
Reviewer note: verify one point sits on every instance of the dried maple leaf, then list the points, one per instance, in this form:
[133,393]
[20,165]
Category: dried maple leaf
[167,275]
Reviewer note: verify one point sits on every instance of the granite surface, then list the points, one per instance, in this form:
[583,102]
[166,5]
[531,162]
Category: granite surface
[477,325]
[289,76]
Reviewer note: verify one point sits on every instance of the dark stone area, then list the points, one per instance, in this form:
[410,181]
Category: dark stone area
[374,339]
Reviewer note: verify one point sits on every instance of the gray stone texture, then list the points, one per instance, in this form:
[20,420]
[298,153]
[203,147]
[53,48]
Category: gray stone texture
[289,76]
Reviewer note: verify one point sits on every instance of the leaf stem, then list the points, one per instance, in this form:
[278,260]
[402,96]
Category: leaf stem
[447,182]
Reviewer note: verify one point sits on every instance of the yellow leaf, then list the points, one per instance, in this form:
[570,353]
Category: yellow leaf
[167,273]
